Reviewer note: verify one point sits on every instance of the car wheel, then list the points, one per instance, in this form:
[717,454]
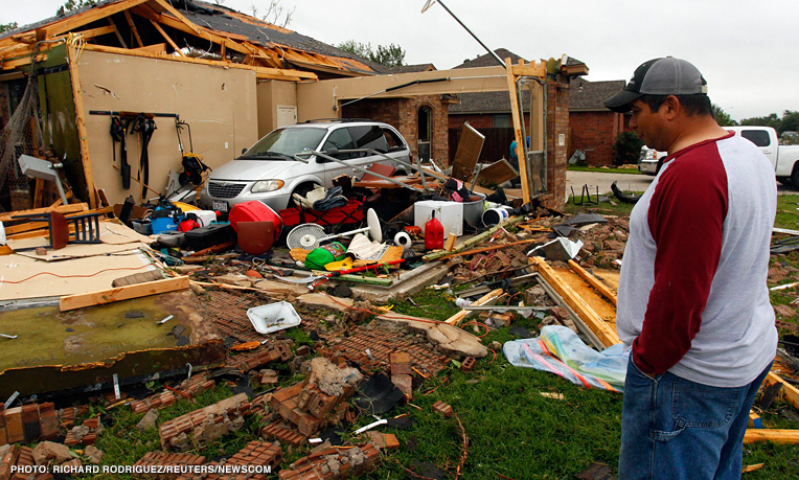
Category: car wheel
[785,181]
[795,177]
[301,190]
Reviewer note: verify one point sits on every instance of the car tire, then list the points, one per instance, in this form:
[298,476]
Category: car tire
[795,177]
[301,190]
[785,181]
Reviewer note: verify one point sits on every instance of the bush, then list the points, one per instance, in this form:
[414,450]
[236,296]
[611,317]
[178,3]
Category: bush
[627,148]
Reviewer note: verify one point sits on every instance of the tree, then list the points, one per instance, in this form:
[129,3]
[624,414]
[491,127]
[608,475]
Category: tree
[70,5]
[274,13]
[722,118]
[770,121]
[390,55]
[627,148]
[8,27]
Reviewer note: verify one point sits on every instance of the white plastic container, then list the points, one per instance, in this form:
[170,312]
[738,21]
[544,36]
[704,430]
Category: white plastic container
[273,317]
[450,214]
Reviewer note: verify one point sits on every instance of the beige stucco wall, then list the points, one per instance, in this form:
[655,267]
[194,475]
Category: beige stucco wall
[219,104]
[321,99]
[272,93]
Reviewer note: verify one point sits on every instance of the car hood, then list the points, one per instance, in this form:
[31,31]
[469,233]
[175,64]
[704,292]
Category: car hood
[253,170]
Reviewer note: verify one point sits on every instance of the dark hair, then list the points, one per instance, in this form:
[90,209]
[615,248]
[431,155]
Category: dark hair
[694,104]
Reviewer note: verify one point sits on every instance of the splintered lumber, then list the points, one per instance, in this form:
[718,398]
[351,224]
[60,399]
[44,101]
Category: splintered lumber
[488,299]
[790,392]
[474,240]
[593,281]
[73,302]
[606,334]
[83,135]
[773,436]
[137,278]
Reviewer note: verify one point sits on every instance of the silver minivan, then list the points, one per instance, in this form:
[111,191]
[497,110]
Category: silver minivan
[268,171]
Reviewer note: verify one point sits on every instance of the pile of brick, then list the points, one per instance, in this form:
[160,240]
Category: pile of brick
[85,434]
[383,339]
[604,244]
[333,463]
[34,463]
[28,423]
[187,389]
[268,354]
[196,429]
[318,401]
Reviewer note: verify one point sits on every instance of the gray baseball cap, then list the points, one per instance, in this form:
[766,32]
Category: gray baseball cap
[660,76]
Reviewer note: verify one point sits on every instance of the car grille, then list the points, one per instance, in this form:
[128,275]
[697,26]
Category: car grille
[225,190]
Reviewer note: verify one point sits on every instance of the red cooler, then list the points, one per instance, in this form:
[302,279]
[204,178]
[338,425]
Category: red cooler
[255,211]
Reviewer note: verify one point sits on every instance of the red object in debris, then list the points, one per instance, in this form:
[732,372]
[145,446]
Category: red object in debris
[433,234]
[255,211]
[188,225]
[256,238]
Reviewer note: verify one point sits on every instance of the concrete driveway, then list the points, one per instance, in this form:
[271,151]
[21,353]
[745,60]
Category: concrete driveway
[627,182]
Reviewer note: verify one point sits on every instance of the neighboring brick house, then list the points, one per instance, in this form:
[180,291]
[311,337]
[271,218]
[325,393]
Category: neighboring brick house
[593,127]
[422,120]
[489,112]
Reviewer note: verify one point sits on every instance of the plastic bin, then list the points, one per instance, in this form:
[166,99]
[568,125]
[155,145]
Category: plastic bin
[273,317]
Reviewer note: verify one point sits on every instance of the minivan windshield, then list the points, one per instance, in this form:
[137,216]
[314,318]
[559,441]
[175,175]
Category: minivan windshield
[284,143]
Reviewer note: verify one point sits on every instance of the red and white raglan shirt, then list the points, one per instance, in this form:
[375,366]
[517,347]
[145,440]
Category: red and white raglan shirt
[692,297]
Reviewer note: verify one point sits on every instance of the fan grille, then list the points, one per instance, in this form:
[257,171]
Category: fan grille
[296,234]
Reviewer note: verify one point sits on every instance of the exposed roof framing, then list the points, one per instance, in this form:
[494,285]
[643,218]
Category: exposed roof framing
[157,29]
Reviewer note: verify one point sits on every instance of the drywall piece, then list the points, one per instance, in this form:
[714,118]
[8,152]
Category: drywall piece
[325,301]
[405,284]
[24,277]
[448,337]
[599,326]
[123,293]
[468,153]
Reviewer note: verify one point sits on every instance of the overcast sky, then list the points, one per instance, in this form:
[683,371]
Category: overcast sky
[748,51]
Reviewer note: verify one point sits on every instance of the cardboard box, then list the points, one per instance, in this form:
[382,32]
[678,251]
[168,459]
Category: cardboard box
[450,214]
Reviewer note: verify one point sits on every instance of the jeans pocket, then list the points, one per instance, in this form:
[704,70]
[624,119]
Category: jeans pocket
[702,406]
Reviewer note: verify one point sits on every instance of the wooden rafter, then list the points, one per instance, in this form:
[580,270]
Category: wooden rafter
[166,37]
[116,31]
[96,32]
[85,18]
[133,28]
[260,72]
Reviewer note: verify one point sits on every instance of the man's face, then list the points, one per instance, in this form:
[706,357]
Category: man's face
[649,125]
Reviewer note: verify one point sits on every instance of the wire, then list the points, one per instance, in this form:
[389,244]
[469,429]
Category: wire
[495,356]
[71,276]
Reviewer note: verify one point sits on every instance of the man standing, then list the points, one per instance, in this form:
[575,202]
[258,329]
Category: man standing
[693,302]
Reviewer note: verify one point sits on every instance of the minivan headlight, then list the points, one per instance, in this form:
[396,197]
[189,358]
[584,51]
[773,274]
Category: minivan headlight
[267,186]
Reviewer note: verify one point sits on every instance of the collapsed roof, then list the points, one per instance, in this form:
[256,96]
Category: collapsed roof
[187,30]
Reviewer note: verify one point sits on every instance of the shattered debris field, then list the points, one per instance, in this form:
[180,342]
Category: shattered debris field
[437,386]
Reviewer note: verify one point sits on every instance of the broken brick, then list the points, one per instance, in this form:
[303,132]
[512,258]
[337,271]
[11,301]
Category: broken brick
[443,408]
[468,364]
[14,428]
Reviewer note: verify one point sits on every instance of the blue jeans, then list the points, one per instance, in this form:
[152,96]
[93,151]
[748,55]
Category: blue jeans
[674,429]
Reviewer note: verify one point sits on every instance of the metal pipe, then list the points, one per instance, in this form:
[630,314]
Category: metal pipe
[356,167]
[491,52]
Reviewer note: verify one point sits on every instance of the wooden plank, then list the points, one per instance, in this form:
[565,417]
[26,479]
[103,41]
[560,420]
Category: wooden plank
[517,131]
[790,392]
[488,299]
[771,435]
[198,30]
[83,134]
[72,208]
[21,62]
[158,48]
[89,16]
[96,32]
[133,29]
[593,281]
[73,302]
[606,334]
[6,250]
[166,37]
[260,72]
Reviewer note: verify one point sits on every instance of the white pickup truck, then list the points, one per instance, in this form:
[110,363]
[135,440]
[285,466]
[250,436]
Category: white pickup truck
[784,158]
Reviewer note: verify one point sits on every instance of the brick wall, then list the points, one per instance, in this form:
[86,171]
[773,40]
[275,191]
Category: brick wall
[594,133]
[402,113]
[557,155]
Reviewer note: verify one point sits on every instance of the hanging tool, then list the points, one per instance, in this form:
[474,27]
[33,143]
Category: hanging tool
[145,127]
[193,167]
[118,132]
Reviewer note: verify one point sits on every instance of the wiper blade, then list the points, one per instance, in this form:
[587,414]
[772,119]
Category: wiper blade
[267,155]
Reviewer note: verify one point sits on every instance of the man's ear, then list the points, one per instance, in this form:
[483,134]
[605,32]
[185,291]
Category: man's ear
[671,108]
